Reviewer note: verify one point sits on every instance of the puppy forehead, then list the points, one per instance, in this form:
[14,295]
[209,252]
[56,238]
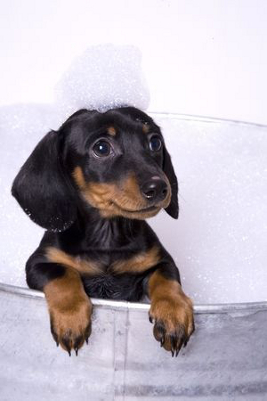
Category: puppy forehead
[119,121]
[121,124]
[132,118]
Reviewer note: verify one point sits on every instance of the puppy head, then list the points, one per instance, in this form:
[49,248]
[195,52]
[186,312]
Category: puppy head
[115,162]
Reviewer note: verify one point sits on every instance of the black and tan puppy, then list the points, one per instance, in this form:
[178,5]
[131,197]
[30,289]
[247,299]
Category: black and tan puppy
[91,185]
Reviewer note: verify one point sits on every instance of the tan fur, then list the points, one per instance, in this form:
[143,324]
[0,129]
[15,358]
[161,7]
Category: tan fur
[138,263]
[111,131]
[70,308]
[145,128]
[81,265]
[79,178]
[123,199]
[170,305]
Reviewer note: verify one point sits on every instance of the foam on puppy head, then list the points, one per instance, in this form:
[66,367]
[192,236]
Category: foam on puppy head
[102,78]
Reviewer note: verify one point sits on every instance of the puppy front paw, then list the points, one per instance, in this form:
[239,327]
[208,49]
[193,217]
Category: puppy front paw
[71,327]
[173,322]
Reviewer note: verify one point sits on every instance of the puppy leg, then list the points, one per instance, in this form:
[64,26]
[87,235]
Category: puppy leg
[69,307]
[171,310]
[70,311]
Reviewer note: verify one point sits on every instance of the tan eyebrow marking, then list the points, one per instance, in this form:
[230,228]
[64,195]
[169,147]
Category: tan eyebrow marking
[145,128]
[111,131]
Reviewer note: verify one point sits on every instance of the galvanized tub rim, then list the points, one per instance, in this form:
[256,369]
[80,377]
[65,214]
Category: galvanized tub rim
[124,305]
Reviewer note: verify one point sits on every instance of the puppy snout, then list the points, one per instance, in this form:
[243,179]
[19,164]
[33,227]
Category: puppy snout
[155,189]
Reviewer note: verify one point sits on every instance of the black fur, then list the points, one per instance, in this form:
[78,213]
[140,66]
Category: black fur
[46,191]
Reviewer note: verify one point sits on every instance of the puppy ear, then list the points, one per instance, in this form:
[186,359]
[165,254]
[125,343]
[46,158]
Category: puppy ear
[173,208]
[41,188]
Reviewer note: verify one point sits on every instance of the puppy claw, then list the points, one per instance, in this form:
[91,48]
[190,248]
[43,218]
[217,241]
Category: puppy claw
[173,344]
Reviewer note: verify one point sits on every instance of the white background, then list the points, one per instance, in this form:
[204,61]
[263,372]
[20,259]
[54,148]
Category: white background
[200,57]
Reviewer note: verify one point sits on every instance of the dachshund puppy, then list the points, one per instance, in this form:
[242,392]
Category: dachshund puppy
[91,185]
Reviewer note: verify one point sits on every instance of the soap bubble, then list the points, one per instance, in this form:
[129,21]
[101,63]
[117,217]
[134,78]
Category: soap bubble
[102,78]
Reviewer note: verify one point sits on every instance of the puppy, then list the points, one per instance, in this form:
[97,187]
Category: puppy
[91,185]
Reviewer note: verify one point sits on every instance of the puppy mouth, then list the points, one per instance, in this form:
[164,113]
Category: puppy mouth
[144,210]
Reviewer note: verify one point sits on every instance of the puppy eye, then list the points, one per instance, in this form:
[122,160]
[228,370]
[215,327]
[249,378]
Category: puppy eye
[102,148]
[155,143]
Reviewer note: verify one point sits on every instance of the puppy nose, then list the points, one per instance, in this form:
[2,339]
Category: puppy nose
[155,189]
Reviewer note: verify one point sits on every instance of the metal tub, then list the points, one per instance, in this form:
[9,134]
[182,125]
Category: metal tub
[225,359]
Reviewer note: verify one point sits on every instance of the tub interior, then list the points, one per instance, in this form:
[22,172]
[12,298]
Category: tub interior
[219,240]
